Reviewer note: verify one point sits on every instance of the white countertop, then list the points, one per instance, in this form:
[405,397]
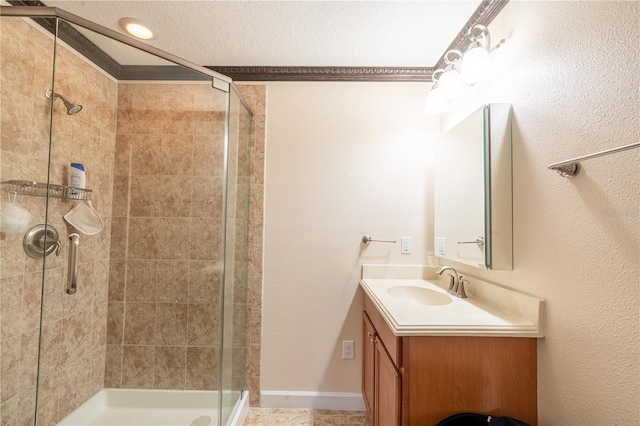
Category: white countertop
[507,314]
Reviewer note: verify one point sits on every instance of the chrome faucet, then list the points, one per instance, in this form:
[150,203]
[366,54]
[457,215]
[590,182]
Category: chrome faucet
[456,282]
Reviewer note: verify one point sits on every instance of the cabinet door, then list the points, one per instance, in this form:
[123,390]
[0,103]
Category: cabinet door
[368,372]
[387,387]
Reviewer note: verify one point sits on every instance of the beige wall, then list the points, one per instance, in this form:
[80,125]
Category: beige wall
[336,169]
[576,241]
[343,160]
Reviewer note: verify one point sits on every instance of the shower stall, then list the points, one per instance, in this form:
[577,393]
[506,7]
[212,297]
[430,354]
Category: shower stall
[136,313]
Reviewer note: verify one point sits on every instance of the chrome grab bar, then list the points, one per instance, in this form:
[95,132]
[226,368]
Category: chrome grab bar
[479,241]
[367,239]
[72,268]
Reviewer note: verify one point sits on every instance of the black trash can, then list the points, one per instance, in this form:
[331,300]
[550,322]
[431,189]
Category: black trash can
[474,419]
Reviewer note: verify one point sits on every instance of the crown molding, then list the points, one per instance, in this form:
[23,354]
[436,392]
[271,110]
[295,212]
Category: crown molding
[258,73]
[484,14]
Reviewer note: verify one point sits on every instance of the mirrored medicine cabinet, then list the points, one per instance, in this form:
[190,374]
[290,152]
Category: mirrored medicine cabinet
[473,221]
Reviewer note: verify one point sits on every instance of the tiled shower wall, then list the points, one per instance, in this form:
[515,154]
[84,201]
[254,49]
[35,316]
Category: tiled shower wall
[74,326]
[166,250]
[256,97]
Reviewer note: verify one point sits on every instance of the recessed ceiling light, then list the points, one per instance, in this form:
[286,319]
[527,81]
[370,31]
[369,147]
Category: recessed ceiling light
[137,28]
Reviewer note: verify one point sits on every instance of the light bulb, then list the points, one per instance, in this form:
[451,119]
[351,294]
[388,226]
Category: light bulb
[137,28]
[436,101]
[450,83]
[475,65]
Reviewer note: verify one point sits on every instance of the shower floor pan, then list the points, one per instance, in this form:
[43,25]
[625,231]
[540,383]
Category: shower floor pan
[129,407]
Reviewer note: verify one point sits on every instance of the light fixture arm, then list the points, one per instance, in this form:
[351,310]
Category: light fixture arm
[435,78]
[484,37]
[455,60]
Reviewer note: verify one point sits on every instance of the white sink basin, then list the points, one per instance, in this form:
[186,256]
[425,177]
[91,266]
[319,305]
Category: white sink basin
[418,295]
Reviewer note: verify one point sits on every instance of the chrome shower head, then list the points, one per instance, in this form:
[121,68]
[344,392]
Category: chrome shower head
[72,108]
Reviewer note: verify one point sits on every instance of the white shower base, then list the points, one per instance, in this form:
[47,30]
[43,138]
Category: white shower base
[129,407]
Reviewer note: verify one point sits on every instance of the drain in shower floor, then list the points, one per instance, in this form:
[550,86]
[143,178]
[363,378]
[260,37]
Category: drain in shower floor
[202,421]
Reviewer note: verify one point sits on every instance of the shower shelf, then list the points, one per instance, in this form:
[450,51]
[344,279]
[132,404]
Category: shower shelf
[25,187]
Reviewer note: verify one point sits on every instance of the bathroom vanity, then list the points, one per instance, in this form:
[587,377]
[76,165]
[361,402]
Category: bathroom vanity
[428,355]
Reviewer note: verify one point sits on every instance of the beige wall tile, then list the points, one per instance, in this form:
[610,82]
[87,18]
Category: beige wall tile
[170,367]
[117,269]
[76,336]
[173,281]
[173,232]
[143,238]
[178,123]
[74,386]
[147,122]
[171,324]
[142,279]
[203,325]
[202,368]
[48,400]
[140,323]
[31,298]
[54,295]
[82,300]
[11,313]
[97,362]
[99,334]
[120,195]
[26,407]
[137,367]
[118,238]
[113,366]
[205,239]
[9,368]
[16,122]
[101,282]
[146,156]
[28,360]
[115,323]
[51,349]
[13,259]
[205,278]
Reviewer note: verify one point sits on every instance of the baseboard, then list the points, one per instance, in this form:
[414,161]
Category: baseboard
[315,400]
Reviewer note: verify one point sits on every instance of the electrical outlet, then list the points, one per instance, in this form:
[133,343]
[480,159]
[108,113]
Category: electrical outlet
[348,349]
[441,246]
[405,245]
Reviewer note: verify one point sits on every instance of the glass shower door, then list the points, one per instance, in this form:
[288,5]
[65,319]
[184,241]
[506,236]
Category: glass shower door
[233,368]
[26,72]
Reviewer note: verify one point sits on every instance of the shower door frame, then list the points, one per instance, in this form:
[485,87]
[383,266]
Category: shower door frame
[218,81]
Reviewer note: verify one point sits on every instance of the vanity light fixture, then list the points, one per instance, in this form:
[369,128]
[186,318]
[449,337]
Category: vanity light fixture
[136,28]
[461,69]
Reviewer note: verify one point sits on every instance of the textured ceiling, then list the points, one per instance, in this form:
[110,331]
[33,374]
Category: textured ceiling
[287,33]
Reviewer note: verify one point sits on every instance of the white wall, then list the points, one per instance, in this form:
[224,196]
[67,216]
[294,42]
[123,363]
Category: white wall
[570,69]
[342,160]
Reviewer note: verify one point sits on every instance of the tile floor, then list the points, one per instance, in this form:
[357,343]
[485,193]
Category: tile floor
[304,417]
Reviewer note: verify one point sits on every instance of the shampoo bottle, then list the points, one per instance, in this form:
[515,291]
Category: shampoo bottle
[76,177]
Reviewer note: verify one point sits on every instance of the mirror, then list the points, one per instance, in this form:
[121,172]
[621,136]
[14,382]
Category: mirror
[473,220]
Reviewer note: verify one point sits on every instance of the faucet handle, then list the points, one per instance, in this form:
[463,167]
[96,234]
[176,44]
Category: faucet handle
[460,290]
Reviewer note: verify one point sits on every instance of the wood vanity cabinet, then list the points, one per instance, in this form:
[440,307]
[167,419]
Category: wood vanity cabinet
[423,379]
